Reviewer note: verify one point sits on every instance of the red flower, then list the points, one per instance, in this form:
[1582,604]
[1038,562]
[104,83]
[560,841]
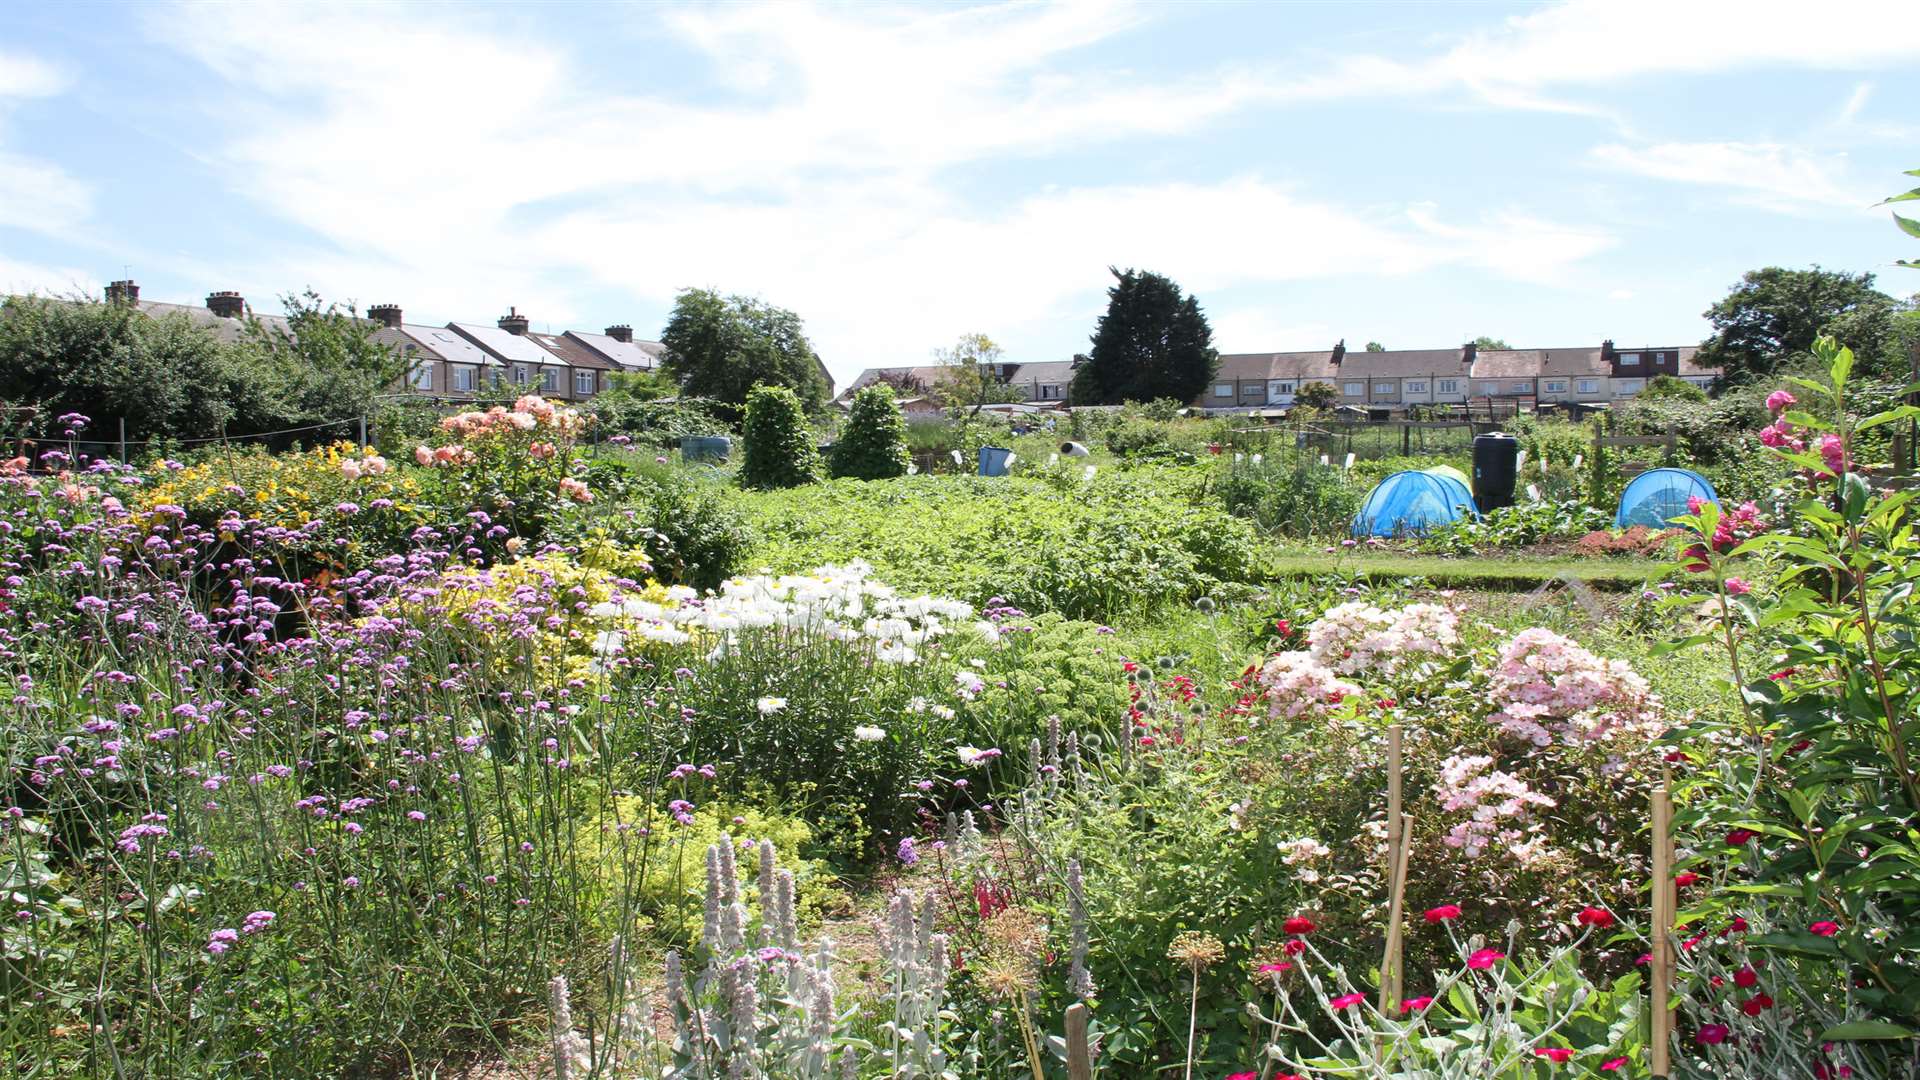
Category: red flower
[1613,1065]
[1756,1005]
[1484,959]
[1685,878]
[1645,959]
[1347,1001]
[1712,1034]
[1824,928]
[1243,1076]
[1294,948]
[1784,673]
[1746,978]
[1737,926]
[1274,968]
[1386,703]
[1299,924]
[1443,913]
[1555,1054]
[1740,836]
[1282,627]
[1411,1004]
[1598,918]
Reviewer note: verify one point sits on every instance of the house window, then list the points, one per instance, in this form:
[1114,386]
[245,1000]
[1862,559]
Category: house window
[1283,387]
[1383,388]
[1224,389]
[1589,386]
[1629,359]
[549,380]
[520,375]
[583,382]
[1355,389]
[463,378]
[1449,386]
[1556,386]
[1416,386]
[1625,387]
[1659,357]
[421,375]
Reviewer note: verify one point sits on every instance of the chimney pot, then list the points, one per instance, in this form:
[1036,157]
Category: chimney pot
[622,332]
[227,304]
[1340,350]
[387,315]
[513,322]
[125,291]
[1469,351]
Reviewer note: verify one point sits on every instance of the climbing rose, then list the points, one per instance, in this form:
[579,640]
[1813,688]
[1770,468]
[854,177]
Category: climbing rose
[1443,913]
[1299,924]
[1484,959]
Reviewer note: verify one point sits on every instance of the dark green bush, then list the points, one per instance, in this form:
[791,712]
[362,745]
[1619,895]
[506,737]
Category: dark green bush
[1136,435]
[780,450]
[1292,495]
[873,445]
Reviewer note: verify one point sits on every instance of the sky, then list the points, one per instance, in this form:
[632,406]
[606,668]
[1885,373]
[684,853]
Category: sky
[899,175]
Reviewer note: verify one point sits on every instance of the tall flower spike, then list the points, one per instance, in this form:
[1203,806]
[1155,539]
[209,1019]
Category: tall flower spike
[1053,743]
[783,902]
[733,930]
[766,876]
[1034,774]
[745,1021]
[710,929]
[729,874]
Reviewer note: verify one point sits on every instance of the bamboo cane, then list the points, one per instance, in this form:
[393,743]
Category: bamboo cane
[1391,969]
[1079,1055]
[1661,967]
[1390,981]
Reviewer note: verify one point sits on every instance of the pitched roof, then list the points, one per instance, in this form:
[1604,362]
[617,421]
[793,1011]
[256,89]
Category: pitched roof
[437,342]
[634,355]
[1536,363]
[511,348]
[1286,365]
[1689,362]
[924,374]
[571,351]
[1400,363]
[228,330]
[1047,372]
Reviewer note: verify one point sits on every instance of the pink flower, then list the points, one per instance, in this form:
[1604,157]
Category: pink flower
[423,455]
[1712,1034]
[1738,587]
[1243,1076]
[1443,913]
[1685,878]
[541,450]
[1779,401]
[1484,959]
[1347,1001]
[1613,1065]
[1276,967]
[1824,928]
[1598,918]
[1555,1054]
[575,489]
[1833,451]
[1411,1004]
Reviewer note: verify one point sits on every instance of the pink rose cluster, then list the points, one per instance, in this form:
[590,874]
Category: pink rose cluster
[372,464]
[529,413]
[1295,685]
[1546,686]
[442,457]
[1356,637]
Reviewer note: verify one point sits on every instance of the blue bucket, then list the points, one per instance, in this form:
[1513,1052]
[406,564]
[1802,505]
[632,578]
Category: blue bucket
[705,448]
[993,460]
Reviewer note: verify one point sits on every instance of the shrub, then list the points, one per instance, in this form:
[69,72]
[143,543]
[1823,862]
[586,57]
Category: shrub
[1290,494]
[690,526]
[1137,435]
[872,445]
[780,451]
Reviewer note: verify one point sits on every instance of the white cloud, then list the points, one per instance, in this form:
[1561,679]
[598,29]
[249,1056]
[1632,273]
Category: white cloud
[23,76]
[35,194]
[19,278]
[1767,175]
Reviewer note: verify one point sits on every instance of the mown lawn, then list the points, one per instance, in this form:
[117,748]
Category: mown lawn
[1478,571]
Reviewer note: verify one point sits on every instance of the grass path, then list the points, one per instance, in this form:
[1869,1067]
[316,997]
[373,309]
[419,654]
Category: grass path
[1479,571]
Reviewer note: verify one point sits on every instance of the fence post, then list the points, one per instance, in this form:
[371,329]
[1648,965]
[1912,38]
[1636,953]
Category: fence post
[1399,837]
[1079,1055]
[1661,967]
[123,440]
[363,430]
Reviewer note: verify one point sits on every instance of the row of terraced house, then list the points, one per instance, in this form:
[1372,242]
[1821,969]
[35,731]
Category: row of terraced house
[1392,379]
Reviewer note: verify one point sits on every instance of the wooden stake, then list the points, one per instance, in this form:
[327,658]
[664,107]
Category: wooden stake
[1399,839]
[1661,968]
[1079,1056]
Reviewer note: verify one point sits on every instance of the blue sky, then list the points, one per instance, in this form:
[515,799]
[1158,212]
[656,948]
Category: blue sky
[1416,174]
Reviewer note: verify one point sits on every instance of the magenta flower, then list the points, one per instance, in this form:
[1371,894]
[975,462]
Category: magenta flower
[1738,587]
[1347,1001]
[1780,401]
[1483,959]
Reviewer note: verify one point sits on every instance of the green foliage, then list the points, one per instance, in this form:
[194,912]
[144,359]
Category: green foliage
[1485,342]
[873,443]
[780,450]
[971,378]
[1374,346]
[722,347]
[1153,342]
[1104,549]
[1772,317]
[1672,388]
[1521,525]
[690,527]
[1137,435]
[1291,495]
[1317,395]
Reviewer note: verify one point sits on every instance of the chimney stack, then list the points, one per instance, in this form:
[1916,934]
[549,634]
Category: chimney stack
[1340,350]
[1606,351]
[623,332]
[513,322]
[1469,352]
[387,315]
[123,292]
[227,304]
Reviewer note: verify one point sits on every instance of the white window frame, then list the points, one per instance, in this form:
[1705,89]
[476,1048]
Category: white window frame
[1589,386]
[549,380]
[1385,388]
[1629,359]
[1449,386]
[1488,389]
[1554,386]
[1222,389]
[1354,389]
[520,375]
[1416,386]
[1628,387]
[583,381]
[420,375]
[1520,387]
[1285,386]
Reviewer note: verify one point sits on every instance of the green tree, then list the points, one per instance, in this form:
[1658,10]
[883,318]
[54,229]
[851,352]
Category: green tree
[721,347]
[1153,342]
[873,446]
[1485,342]
[1669,388]
[1374,346]
[780,450]
[1771,319]
[971,375]
[324,365]
[1317,395]
[167,377]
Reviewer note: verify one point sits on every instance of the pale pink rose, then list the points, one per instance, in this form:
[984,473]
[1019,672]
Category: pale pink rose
[541,450]
[423,455]
[350,468]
